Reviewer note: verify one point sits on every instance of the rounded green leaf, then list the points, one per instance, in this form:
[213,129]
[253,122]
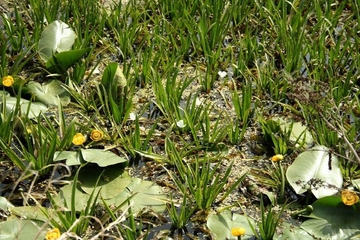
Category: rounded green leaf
[315,165]
[33,110]
[220,225]
[299,132]
[332,219]
[290,232]
[51,93]
[112,180]
[145,194]
[101,157]
[21,229]
[64,198]
[72,157]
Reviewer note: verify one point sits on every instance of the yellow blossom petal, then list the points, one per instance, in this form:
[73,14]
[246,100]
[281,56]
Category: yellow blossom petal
[52,234]
[78,139]
[8,81]
[277,157]
[349,197]
[96,135]
[238,231]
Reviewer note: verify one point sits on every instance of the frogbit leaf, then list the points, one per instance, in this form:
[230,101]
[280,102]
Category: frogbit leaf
[112,180]
[51,93]
[315,165]
[220,225]
[145,194]
[293,233]
[56,37]
[332,219]
[21,229]
[101,157]
[72,157]
[32,109]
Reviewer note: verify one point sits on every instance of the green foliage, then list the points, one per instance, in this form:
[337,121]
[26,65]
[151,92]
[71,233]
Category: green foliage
[117,93]
[269,221]
[180,216]
[220,225]
[51,93]
[294,59]
[81,156]
[244,108]
[60,62]
[69,218]
[201,180]
[316,170]
[332,218]
[21,229]
[273,133]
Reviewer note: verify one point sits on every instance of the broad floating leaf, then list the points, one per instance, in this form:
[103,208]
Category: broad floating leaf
[293,233]
[32,111]
[65,196]
[315,170]
[113,180]
[101,157]
[97,156]
[299,132]
[220,225]
[51,93]
[56,37]
[332,219]
[72,157]
[21,229]
[145,194]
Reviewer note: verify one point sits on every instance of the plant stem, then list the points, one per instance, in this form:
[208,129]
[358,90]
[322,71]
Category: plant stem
[282,187]
[306,211]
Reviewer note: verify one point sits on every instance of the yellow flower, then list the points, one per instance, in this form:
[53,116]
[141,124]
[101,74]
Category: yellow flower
[78,139]
[8,81]
[277,157]
[96,135]
[349,197]
[238,231]
[52,234]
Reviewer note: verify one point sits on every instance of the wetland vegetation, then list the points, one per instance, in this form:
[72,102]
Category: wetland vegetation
[179,119]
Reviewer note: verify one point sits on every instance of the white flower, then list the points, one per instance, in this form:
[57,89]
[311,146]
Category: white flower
[180,124]
[132,116]
[222,74]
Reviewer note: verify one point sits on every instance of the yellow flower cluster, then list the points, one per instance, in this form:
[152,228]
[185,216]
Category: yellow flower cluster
[349,197]
[96,135]
[8,81]
[78,139]
[238,231]
[52,234]
[277,157]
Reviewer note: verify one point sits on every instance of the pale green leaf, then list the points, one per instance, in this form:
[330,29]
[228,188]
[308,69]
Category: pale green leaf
[51,93]
[101,157]
[56,37]
[147,195]
[220,225]
[21,229]
[112,180]
[333,220]
[315,164]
